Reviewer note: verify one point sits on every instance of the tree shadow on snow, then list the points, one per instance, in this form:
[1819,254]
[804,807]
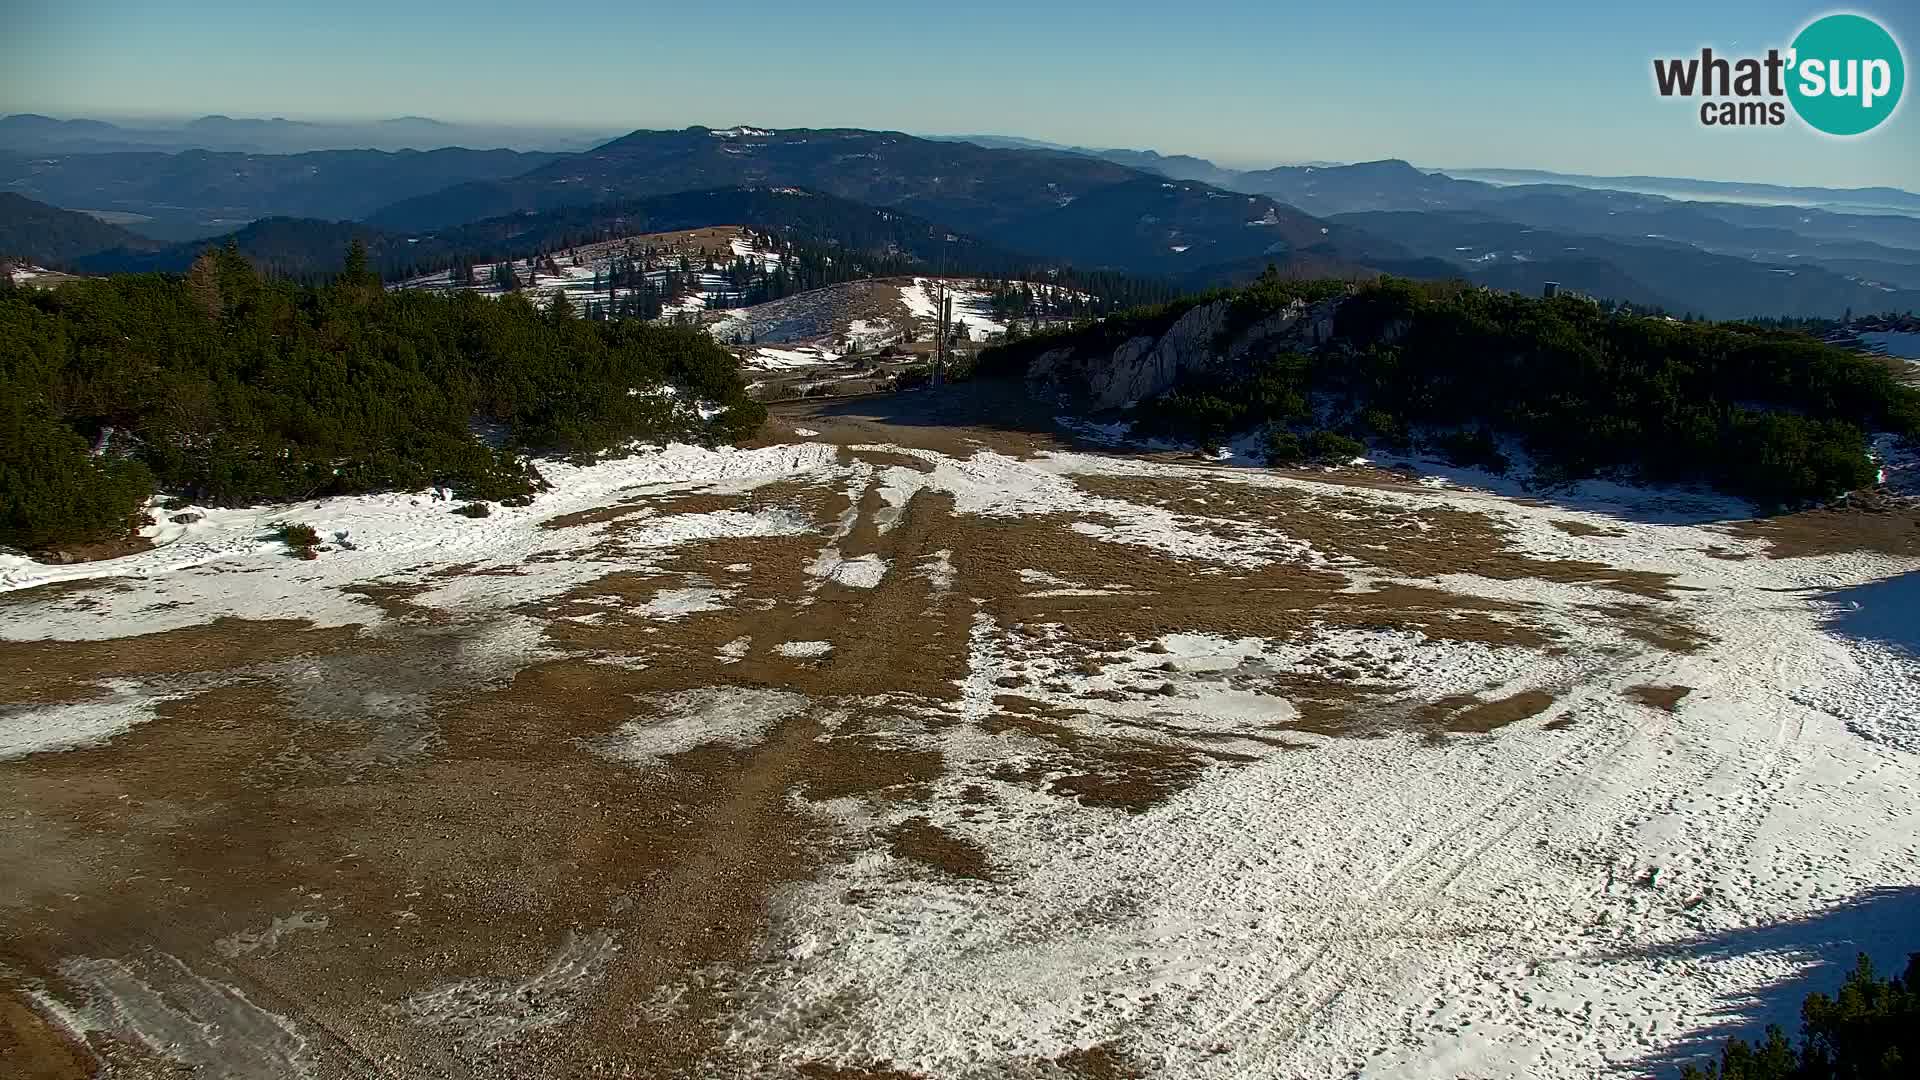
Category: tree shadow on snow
[1819,949]
[1001,405]
[1886,611]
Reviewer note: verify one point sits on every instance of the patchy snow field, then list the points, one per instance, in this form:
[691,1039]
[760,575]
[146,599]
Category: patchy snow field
[869,756]
[971,305]
[859,317]
[579,272]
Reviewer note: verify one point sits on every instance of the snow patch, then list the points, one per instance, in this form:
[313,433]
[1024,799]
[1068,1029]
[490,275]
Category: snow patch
[92,722]
[679,722]
[804,649]
[484,1014]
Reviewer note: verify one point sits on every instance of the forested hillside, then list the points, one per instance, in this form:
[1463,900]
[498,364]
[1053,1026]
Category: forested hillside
[1064,207]
[829,240]
[959,184]
[1773,416]
[228,388]
[307,248]
[37,233]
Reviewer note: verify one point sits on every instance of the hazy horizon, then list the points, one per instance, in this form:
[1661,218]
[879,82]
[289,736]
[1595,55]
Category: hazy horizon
[1510,86]
[162,122]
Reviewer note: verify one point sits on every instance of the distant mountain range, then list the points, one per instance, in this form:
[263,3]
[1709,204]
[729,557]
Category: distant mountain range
[1173,217]
[200,192]
[1187,167]
[1872,199]
[31,133]
[1080,209]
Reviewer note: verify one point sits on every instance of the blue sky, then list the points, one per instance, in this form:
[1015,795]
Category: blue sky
[1543,84]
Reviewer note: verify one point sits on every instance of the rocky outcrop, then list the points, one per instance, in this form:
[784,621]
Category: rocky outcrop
[1144,366]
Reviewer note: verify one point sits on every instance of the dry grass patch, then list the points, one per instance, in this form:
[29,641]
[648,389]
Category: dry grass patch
[1101,1062]
[884,459]
[598,515]
[1658,697]
[921,841]
[1441,615]
[396,602]
[49,672]
[69,594]
[1102,771]
[1470,714]
[1587,528]
[1893,531]
[1416,543]
[1662,631]
[30,1046]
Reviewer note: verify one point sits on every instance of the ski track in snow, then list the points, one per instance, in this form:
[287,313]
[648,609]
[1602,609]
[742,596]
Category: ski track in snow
[1538,902]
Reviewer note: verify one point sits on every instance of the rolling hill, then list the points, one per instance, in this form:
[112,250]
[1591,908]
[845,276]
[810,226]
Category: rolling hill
[305,248]
[38,233]
[958,184]
[1065,206]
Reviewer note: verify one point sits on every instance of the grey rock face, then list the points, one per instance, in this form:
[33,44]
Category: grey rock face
[1143,367]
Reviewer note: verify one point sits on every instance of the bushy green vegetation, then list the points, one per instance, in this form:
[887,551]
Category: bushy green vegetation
[1321,447]
[300,539]
[296,535]
[1774,416]
[230,389]
[1870,1030]
[1269,295]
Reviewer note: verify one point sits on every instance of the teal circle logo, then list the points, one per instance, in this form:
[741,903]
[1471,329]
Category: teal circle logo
[1847,74]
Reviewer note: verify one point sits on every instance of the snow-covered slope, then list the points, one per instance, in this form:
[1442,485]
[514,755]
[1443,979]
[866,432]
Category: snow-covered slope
[971,305]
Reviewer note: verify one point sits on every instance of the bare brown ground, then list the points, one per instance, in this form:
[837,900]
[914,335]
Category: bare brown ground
[30,1046]
[57,590]
[41,672]
[924,842]
[1644,623]
[1583,528]
[1422,544]
[1659,697]
[97,550]
[1468,713]
[1102,1062]
[1828,532]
